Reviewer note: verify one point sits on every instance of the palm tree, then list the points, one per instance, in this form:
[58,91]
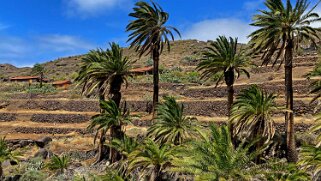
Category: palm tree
[85,79]
[223,61]
[149,35]
[171,125]
[252,114]
[102,69]
[111,117]
[38,69]
[280,28]
[151,159]
[215,158]
[124,146]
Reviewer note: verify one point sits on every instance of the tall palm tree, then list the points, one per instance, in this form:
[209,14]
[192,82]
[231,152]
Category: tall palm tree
[111,117]
[151,159]
[102,70]
[149,35]
[171,125]
[252,114]
[225,62]
[215,158]
[281,26]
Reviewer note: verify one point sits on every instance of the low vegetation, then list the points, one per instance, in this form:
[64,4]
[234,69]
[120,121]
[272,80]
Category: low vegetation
[176,146]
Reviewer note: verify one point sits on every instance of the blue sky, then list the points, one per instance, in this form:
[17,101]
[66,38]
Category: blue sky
[42,30]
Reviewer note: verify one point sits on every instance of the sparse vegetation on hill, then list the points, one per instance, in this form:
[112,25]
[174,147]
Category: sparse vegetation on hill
[198,131]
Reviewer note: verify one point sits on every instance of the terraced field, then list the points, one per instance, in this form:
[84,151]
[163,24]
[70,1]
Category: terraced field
[26,116]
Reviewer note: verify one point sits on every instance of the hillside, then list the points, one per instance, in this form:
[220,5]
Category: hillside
[64,68]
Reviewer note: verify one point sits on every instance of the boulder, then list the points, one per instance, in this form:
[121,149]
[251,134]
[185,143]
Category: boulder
[24,143]
[43,141]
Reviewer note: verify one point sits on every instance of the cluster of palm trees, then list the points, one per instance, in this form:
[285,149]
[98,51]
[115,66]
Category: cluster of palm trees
[178,147]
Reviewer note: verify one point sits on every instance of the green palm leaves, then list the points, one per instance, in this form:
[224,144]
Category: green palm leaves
[171,125]
[310,159]
[148,30]
[152,159]
[101,68]
[280,26]
[223,57]
[59,163]
[111,116]
[252,113]
[214,158]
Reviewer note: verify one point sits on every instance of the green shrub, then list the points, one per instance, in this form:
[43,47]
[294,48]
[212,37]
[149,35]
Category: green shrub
[33,175]
[59,163]
[36,89]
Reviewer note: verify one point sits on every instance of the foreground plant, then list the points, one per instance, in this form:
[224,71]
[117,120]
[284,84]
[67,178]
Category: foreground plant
[215,158]
[151,160]
[310,160]
[59,163]
[252,114]
[281,27]
[171,125]
[149,35]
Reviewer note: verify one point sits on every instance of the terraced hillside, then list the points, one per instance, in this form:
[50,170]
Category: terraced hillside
[66,114]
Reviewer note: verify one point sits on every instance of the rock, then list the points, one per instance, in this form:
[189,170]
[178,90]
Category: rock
[43,153]
[43,141]
[24,143]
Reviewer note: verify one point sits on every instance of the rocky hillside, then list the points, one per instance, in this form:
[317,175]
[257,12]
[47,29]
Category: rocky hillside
[183,51]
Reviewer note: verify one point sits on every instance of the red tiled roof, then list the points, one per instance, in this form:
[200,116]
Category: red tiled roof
[62,82]
[142,70]
[24,77]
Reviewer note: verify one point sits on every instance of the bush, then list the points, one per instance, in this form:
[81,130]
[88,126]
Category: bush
[59,163]
[33,175]
[45,89]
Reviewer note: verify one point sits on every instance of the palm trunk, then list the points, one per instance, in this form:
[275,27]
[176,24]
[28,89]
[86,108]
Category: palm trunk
[41,79]
[115,131]
[155,78]
[158,175]
[292,155]
[260,143]
[229,80]
[101,147]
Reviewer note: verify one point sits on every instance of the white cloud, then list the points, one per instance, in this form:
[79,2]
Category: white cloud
[63,43]
[211,29]
[92,7]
